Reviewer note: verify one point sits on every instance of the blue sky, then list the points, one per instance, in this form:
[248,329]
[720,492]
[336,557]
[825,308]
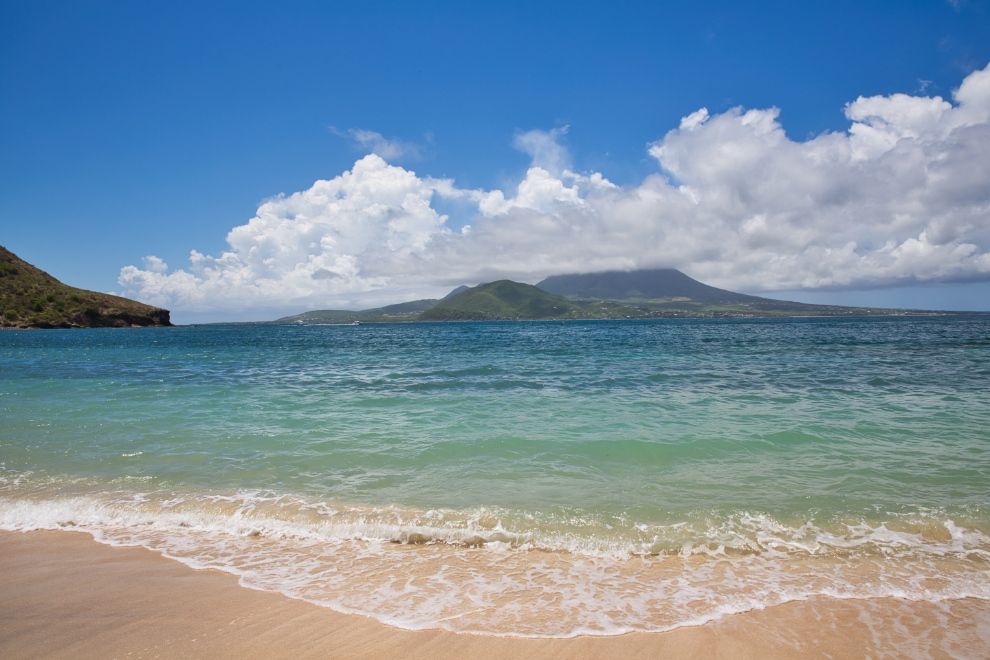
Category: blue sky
[133,129]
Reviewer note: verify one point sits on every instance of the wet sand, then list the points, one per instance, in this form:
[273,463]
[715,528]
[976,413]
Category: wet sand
[64,595]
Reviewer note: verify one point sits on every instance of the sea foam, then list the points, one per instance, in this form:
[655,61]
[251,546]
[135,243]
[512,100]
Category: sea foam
[469,571]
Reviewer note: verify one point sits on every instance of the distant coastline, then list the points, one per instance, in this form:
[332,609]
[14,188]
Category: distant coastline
[613,295]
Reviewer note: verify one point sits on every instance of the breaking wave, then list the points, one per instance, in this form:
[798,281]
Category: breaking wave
[517,573]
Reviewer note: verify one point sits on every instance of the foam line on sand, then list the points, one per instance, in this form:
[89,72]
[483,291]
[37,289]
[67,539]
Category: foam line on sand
[64,595]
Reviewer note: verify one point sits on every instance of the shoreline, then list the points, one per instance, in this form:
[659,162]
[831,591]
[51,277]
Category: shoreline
[66,594]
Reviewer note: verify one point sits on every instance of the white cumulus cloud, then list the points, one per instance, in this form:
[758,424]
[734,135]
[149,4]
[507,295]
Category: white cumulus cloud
[901,195]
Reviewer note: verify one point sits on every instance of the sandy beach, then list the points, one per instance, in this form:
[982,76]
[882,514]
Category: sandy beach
[66,595]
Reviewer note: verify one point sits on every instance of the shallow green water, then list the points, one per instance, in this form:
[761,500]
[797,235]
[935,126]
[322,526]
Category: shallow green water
[599,436]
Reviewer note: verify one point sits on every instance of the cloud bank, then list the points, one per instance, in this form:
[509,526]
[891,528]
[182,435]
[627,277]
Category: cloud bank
[901,196]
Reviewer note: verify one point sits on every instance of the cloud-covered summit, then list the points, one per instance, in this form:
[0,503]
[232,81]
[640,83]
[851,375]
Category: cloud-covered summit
[901,196]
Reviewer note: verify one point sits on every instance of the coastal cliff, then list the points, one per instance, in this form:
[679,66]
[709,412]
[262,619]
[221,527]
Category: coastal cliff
[31,298]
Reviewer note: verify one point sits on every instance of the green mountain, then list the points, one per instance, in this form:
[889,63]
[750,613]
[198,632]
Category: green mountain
[654,284]
[31,298]
[664,292]
[508,300]
[640,294]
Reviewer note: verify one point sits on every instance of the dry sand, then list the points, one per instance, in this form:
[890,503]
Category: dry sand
[64,595]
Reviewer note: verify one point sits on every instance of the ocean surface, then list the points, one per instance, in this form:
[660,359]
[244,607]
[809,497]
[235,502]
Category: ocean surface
[531,478]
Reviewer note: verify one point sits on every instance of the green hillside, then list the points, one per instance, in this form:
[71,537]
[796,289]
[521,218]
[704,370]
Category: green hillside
[642,294]
[407,311]
[404,311]
[666,292]
[650,284]
[507,300]
[31,298]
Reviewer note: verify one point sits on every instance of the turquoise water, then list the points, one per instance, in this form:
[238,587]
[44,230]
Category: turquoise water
[623,469]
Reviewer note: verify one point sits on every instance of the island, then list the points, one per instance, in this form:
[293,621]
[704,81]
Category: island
[611,295]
